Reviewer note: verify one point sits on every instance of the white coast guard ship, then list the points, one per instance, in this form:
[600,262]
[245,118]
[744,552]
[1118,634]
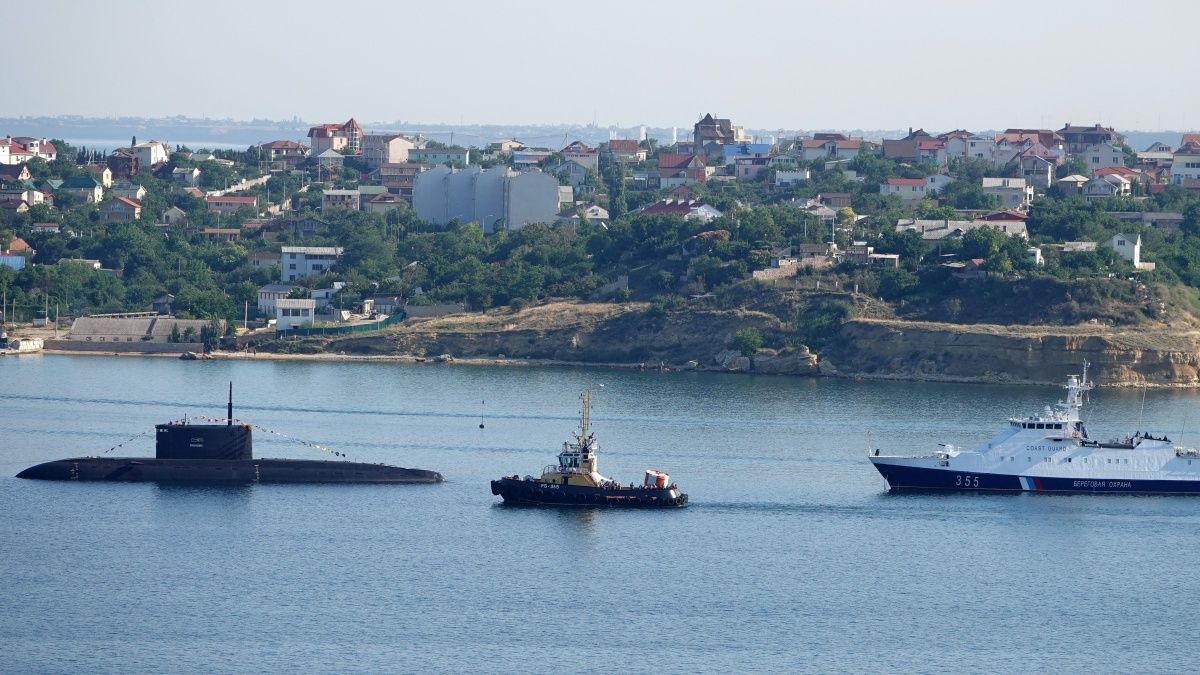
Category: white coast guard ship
[1051,452]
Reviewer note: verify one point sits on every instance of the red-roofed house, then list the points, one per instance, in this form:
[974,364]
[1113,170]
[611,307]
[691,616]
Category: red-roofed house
[12,152]
[287,152]
[830,146]
[956,142]
[230,204]
[586,156]
[688,209]
[918,146]
[1010,215]
[19,246]
[908,189]
[626,150]
[21,149]
[336,136]
[124,163]
[1131,174]
[681,169]
[37,147]
[1046,137]
[120,208]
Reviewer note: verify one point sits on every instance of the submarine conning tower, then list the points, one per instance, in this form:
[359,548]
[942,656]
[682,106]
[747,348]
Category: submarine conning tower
[180,440]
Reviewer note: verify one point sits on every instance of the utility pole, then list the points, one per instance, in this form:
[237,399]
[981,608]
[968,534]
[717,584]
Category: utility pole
[56,321]
[246,316]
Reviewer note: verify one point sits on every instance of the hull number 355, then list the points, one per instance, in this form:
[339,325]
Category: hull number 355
[966,481]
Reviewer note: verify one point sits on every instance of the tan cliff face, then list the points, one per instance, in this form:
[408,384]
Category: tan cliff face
[631,334]
[588,333]
[1025,354]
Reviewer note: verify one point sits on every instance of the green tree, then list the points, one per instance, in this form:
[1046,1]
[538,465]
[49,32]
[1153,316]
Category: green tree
[747,341]
[1074,166]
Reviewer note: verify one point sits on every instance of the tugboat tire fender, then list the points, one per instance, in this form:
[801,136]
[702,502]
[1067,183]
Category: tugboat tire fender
[679,501]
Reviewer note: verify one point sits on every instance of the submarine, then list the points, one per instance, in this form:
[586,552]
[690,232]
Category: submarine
[219,453]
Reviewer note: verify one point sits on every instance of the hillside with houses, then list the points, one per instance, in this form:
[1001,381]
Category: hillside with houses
[347,226]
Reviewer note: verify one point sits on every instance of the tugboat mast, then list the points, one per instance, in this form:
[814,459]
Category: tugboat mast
[585,414]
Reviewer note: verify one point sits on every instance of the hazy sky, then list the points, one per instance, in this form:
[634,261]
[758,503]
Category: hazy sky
[938,64]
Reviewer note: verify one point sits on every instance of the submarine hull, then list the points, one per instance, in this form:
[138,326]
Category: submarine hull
[137,469]
[533,492]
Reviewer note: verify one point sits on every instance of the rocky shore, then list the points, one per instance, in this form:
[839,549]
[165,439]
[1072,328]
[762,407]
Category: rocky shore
[634,335]
[909,350]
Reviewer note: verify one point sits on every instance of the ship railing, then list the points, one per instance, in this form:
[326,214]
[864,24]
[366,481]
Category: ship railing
[555,468]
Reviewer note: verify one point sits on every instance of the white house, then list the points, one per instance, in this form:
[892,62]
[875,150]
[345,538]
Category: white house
[1014,193]
[340,199]
[173,216]
[937,182]
[1130,248]
[379,149]
[830,146]
[908,189]
[298,262]
[124,188]
[574,172]
[440,155]
[270,294]
[688,209]
[982,147]
[1185,164]
[1038,171]
[187,177]
[294,313]
[1101,155]
[151,153]
[1071,185]
[21,149]
[784,177]
[1104,187]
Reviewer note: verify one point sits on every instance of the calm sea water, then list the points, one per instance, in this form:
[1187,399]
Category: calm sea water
[791,556]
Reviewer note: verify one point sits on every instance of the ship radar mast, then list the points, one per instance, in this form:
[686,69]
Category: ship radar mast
[1076,386]
[580,456]
[585,414]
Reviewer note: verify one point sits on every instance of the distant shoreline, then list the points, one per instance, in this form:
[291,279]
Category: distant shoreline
[353,358]
[552,363]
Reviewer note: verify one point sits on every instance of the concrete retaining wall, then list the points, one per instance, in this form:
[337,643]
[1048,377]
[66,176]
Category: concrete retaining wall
[124,347]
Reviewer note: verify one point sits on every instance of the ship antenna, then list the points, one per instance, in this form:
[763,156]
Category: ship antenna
[229,407]
[1142,412]
[585,413]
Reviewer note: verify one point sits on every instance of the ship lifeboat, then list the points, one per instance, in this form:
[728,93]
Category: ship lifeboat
[656,479]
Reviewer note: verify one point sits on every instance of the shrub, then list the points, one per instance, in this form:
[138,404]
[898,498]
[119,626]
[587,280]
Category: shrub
[747,341]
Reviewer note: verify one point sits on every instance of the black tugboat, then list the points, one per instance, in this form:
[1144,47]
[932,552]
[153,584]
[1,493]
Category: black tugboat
[574,481]
[219,453]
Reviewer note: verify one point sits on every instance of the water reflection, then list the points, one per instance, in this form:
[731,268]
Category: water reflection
[229,493]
